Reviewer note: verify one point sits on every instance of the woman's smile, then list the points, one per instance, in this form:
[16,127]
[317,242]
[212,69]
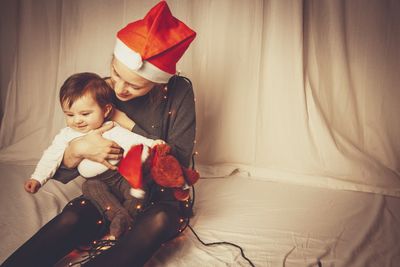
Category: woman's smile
[123,95]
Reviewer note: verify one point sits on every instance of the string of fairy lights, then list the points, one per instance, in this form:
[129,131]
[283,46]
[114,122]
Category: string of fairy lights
[98,246]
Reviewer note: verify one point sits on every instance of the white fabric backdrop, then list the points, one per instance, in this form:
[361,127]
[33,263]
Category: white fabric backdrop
[297,91]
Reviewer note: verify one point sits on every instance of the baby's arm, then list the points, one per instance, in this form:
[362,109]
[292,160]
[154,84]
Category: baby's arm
[48,163]
[32,186]
[123,120]
[126,139]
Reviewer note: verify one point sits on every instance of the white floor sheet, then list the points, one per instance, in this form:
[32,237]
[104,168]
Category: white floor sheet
[277,224]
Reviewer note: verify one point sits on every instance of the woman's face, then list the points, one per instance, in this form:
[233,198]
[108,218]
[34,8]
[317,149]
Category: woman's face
[126,83]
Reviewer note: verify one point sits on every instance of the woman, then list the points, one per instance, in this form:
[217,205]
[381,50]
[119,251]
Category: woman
[153,103]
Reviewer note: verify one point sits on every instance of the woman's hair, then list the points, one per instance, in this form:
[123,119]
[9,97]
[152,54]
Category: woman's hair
[80,84]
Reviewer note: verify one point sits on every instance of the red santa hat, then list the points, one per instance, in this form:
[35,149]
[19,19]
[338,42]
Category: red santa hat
[130,167]
[152,46]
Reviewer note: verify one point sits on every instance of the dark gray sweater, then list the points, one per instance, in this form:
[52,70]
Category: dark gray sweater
[171,118]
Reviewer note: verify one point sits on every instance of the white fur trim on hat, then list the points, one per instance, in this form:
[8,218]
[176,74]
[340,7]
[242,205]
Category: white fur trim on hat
[138,193]
[133,61]
[145,153]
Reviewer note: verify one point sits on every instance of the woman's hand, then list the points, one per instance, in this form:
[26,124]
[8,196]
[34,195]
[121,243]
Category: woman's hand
[122,119]
[93,147]
[32,186]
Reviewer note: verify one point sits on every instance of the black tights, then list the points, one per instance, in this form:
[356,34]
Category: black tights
[150,229]
[78,224]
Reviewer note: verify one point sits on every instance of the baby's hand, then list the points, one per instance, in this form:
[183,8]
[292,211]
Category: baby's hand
[157,142]
[32,186]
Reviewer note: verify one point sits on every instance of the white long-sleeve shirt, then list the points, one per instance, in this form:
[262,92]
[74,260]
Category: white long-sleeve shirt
[53,155]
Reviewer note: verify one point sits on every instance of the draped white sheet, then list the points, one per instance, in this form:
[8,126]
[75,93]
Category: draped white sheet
[295,91]
[299,92]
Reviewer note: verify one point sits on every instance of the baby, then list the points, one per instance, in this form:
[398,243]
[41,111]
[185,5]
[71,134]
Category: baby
[86,100]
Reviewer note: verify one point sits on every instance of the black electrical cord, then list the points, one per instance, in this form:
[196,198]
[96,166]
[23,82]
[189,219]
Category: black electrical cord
[94,250]
[214,243]
[222,243]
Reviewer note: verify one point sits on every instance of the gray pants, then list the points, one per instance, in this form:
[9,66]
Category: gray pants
[110,192]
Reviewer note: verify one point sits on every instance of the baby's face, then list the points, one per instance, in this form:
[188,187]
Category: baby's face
[85,114]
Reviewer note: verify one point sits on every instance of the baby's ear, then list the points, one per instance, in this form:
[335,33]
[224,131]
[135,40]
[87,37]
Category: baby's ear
[108,108]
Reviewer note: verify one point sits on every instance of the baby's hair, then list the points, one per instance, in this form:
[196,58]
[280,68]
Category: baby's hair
[79,84]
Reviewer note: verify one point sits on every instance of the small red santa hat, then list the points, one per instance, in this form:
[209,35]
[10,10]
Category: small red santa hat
[152,46]
[130,167]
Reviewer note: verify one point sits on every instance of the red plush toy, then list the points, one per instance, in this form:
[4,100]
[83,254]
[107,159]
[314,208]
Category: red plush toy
[164,168]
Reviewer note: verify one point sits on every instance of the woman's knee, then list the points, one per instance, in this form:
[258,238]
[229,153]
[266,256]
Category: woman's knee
[69,219]
[81,219]
[78,211]
[163,221]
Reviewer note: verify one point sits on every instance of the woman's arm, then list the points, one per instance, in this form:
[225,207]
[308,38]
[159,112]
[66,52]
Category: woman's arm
[126,139]
[182,126]
[117,115]
[93,147]
[122,119]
